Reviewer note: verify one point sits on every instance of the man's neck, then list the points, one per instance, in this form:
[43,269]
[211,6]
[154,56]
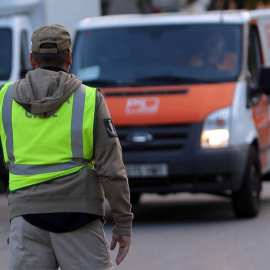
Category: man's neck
[53,68]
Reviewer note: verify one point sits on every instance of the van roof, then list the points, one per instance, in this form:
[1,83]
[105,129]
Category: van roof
[226,16]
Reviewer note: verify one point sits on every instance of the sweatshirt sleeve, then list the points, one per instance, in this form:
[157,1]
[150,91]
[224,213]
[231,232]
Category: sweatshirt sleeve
[111,170]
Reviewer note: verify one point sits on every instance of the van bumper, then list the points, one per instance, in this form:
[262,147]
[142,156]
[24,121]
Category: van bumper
[207,171]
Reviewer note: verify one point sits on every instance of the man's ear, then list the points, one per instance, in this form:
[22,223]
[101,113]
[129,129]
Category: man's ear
[69,58]
[32,60]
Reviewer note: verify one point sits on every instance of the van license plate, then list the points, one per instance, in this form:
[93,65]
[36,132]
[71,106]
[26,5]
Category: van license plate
[147,170]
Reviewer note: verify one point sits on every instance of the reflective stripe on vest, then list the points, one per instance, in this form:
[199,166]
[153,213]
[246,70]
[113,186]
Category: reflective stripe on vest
[42,149]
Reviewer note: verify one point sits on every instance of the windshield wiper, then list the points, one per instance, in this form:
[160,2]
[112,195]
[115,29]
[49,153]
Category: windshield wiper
[169,78]
[101,82]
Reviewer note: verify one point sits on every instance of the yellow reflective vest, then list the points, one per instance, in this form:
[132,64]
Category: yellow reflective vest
[38,150]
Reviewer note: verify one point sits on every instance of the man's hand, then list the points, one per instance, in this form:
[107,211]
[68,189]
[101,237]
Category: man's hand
[124,243]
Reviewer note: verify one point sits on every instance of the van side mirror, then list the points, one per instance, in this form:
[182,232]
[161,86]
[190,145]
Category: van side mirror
[264,80]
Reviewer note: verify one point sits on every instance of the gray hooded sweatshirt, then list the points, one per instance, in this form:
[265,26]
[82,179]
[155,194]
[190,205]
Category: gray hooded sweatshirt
[42,93]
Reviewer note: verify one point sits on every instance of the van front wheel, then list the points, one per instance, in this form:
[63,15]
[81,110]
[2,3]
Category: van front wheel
[246,201]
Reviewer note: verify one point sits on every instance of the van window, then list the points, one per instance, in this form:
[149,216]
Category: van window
[5,53]
[254,56]
[157,55]
[25,62]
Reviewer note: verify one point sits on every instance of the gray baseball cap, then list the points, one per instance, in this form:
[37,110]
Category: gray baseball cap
[55,34]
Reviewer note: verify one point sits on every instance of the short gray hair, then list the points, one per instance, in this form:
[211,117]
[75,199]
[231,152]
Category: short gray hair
[56,59]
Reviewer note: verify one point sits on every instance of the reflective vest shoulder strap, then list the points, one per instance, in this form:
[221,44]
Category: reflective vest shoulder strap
[5,116]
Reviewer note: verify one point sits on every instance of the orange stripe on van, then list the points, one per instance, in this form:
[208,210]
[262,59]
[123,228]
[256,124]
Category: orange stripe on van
[166,104]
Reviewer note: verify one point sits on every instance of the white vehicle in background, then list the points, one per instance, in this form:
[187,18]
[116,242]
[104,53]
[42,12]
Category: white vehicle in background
[185,123]
[18,19]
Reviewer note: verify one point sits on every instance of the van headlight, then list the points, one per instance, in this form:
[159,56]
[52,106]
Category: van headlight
[216,129]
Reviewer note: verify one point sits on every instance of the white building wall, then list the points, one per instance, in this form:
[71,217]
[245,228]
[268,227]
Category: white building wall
[123,7]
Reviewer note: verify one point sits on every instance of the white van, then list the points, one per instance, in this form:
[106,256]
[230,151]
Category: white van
[18,20]
[187,119]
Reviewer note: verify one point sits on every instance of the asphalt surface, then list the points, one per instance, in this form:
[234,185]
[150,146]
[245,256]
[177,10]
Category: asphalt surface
[185,232]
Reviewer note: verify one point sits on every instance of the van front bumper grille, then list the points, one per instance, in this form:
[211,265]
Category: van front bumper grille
[153,138]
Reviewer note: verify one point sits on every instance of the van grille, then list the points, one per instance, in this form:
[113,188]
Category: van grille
[157,137]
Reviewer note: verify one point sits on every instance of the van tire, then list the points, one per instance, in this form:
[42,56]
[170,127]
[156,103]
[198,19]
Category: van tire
[246,201]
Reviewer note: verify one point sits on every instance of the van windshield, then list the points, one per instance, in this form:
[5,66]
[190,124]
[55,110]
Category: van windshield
[158,55]
[5,54]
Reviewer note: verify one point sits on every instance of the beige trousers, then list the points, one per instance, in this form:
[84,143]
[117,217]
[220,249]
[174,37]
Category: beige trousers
[31,248]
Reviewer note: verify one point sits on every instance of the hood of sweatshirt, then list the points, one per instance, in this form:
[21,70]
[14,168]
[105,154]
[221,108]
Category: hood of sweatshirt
[43,91]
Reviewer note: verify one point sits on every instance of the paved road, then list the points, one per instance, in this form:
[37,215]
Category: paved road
[186,232]
[4,225]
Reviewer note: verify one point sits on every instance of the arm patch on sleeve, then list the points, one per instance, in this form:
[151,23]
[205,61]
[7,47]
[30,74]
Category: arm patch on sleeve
[110,128]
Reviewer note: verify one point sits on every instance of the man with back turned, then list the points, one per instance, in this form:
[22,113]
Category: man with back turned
[64,157]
